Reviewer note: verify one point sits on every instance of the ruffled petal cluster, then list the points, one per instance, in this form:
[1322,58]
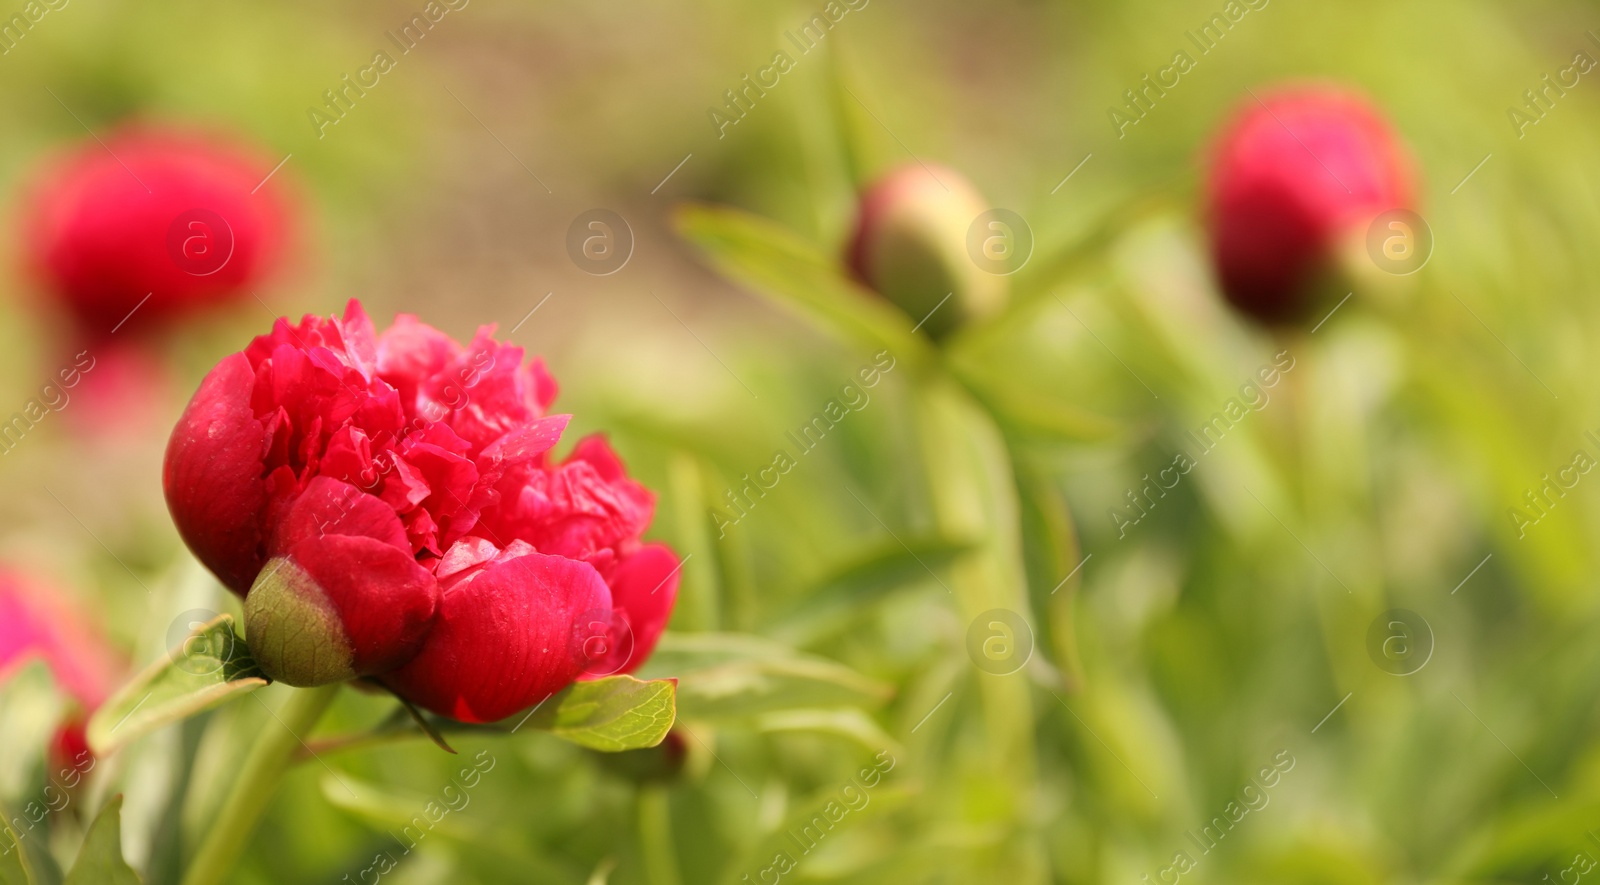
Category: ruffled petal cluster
[389,507]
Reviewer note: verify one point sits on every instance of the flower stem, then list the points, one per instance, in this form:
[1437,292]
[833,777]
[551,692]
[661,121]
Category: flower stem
[252,791]
[972,494]
[655,836]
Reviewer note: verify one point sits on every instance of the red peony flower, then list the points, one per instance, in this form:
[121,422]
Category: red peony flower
[388,507]
[36,625]
[171,215]
[910,245]
[1291,175]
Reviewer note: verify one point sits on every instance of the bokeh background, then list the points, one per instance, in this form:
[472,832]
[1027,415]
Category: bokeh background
[1169,662]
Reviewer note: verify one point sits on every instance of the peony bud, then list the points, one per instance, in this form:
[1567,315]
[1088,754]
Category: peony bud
[338,607]
[1293,177]
[911,246]
[388,507]
[153,224]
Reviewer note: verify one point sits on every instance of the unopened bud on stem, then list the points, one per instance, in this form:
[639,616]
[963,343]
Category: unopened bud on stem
[911,245]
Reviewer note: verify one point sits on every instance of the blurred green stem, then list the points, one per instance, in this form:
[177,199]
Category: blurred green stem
[1043,508]
[700,600]
[655,836]
[252,791]
[972,490]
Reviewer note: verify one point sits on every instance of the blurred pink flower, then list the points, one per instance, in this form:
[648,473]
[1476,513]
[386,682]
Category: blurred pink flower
[1290,175]
[36,624]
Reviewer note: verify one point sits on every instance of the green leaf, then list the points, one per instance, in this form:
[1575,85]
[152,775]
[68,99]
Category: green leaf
[211,667]
[1515,843]
[612,714]
[14,866]
[852,589]
[415,819]
[848,723]
[885,799]
[724,676]
[700,591]
[972,492]
[1027,413]
[1080,253]
[100,859]
[394,808]
[777,265]
[30,707]
[1054,564]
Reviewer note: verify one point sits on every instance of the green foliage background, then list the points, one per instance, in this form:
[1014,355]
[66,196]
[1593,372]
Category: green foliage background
[831,624]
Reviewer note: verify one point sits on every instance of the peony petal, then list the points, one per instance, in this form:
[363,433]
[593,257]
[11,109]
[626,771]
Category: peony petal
[385,601]
[486,391]
[360,341]
[423,533]
[544,384]
[504,640]
[331,507]
[213,475]
[409,353]
[528,441]
[403,487]
[597,452]
[348,458]
[644,588]
[573,510]
[451,479]
[465,554]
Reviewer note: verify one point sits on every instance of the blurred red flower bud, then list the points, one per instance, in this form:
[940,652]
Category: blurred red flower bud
[388,507]
[1293,174]
[184,219]
[70,748]
[911,246]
